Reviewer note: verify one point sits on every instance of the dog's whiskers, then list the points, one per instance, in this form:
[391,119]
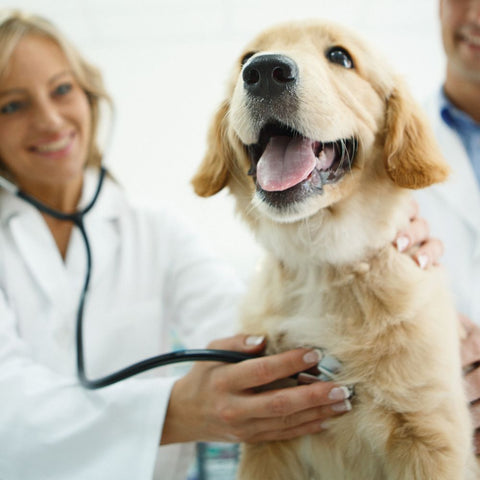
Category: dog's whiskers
[347,155]
[343,156]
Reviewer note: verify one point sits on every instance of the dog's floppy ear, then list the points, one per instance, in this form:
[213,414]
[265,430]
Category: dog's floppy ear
[213,173]
[412,157]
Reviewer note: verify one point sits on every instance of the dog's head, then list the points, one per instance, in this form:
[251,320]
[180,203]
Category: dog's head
[312,115]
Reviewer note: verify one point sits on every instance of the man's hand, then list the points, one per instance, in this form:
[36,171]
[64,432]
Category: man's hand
[470,351]
[426,251]
[416,242]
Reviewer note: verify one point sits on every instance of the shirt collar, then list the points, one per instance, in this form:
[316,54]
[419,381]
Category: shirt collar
[453,116]
[108,205]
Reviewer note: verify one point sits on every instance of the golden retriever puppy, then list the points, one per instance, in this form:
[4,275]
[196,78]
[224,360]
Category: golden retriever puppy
[319,142]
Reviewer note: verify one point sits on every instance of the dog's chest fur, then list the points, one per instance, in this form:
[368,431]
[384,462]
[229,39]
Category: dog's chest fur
[383,331]
[364,313]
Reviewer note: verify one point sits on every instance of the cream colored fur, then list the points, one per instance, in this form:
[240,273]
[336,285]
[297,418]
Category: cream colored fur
[333,279]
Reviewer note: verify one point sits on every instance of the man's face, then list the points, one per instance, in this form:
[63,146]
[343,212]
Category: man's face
[460,22]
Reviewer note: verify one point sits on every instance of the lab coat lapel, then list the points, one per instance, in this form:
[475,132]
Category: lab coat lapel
[41,256]
[461,191]
[103,240]
[101,224]
[62,281]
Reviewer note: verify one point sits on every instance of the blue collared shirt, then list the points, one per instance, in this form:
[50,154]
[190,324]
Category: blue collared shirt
[468,130]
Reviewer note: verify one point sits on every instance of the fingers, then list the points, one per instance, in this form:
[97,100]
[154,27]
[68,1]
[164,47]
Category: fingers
[265,370]
[470,351]
[429,253]
[293,401]
[287,433]
[477,441]
[417,232]
[286,413]
[472,386]
[240,343]
[475,412]
[301,423]
[311,420]
[426,251]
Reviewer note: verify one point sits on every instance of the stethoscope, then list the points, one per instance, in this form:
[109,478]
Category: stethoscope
[191,355]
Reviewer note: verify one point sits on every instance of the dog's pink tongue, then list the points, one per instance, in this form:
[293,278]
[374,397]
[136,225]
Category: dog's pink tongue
[285,163]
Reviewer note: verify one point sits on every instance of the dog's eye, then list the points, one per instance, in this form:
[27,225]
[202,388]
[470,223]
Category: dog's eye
[340,56]
[246,58]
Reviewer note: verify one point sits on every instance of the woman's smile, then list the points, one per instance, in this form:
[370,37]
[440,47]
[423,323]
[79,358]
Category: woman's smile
[56,148]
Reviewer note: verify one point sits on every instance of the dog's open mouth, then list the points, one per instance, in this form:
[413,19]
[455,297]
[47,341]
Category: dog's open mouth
[287,166]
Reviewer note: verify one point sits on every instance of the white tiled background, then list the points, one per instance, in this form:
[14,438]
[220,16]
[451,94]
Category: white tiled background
[166,61]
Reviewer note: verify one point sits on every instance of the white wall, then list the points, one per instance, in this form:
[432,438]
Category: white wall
[166,62]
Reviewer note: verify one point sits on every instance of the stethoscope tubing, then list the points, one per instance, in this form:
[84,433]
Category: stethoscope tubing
[190,355]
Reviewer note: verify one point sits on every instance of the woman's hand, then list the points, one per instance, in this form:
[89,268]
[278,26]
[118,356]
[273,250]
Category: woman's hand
[416,242]
[470,351]
[218,401]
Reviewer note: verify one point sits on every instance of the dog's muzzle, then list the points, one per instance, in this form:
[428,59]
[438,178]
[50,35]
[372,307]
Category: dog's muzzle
[287,166]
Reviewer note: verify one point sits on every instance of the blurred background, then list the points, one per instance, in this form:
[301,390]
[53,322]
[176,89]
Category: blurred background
[166,63]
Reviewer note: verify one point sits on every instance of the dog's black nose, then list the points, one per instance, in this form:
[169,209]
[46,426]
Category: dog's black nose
[269,75]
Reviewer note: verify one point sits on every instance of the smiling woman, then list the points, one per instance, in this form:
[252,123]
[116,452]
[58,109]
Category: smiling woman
[70,64]
[49,109]
[45,122]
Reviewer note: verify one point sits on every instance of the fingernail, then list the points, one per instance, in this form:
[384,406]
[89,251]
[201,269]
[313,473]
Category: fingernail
[339,393]
[313,356]
[402,243]
[254,340]
[422,261]
[344,406]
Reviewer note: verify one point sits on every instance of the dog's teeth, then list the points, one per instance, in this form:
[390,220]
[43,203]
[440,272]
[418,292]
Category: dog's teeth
[321,160]
[324,161]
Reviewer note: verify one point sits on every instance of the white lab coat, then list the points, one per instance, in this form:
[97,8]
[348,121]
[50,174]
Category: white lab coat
[453,212]
[150,276]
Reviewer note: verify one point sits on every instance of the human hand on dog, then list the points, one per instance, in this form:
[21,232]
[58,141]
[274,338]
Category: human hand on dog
[218,401]
[428,252]
[470,352]
[416,241]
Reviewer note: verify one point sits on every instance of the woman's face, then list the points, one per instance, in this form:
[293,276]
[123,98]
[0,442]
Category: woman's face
[45,117]
[460,22]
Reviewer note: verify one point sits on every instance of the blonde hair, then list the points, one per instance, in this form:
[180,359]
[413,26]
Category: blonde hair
[14,25]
